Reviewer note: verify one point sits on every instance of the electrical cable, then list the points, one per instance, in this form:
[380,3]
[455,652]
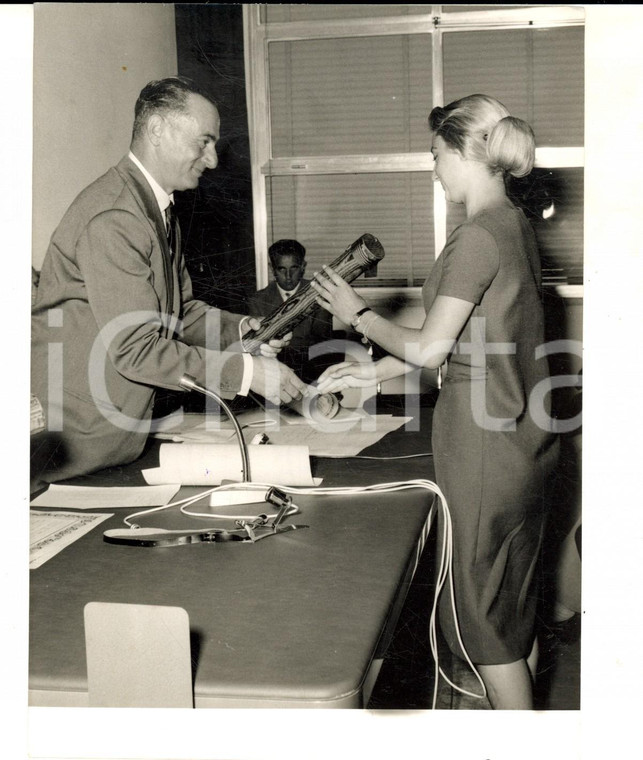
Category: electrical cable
[445,565]
[445,570]
[390,459]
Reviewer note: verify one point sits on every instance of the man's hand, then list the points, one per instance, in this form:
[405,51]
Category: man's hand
[275,381]
[273,347]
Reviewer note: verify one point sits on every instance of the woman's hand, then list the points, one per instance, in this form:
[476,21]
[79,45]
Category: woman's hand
[347,375]
[336,295]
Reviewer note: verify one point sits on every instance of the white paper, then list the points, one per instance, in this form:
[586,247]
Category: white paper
[344,416]
[337,440]
[208,464]
[198,435]
[209,428]
[238,496]
[175,420]
[51,532]
[89,497]
[346,435]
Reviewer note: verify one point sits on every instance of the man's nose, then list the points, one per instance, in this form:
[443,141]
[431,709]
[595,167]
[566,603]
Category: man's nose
[210,156]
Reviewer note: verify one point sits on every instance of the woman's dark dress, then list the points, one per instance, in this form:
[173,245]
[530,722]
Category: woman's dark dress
[492,449]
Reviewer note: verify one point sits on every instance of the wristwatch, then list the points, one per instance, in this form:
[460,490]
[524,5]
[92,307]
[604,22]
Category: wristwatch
[358,315]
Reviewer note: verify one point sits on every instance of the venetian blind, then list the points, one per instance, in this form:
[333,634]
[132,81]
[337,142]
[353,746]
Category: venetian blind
[366,96]
[344,97]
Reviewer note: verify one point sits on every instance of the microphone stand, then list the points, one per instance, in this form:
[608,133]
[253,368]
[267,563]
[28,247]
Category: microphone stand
[189,383]
[247,530]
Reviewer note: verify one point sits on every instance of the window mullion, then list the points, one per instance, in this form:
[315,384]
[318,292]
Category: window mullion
[255,52]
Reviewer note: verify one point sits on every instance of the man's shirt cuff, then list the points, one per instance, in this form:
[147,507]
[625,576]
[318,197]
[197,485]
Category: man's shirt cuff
[248,371]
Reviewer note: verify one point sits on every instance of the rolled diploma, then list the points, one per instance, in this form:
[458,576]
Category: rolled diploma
[317,407]
[207,464]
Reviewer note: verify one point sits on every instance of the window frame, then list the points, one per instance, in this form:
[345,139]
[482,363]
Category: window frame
[257,37]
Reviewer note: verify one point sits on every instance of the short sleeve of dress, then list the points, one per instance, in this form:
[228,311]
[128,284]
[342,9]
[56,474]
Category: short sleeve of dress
[471,261]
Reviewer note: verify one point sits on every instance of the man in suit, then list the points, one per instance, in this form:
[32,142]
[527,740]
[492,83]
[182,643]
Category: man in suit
[288,264]
[115,317]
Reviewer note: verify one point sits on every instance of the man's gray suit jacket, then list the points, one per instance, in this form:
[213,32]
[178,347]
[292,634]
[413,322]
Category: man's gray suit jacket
[115,318]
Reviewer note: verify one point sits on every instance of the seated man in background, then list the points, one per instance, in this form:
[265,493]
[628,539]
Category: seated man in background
[288,264]
[114,317]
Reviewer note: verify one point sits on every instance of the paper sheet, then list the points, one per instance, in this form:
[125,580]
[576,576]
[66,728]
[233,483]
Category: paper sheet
[51,532]
[345,417]
[336,442]
[175,420]
[205,428]
[89,497]
[207,464]
[199,434]
[212,428]
[346,435]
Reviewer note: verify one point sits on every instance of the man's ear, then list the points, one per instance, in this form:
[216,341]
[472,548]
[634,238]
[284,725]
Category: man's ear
[154,128]
[303,266]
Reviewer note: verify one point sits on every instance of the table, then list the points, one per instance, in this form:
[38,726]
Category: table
[297,620]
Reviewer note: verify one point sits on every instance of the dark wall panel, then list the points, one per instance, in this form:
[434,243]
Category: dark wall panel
[216,218]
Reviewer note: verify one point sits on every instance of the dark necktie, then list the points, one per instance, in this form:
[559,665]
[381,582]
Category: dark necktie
[170,228]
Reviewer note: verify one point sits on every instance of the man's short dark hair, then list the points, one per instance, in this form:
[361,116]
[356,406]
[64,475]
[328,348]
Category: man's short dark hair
[286,248]
[164,96]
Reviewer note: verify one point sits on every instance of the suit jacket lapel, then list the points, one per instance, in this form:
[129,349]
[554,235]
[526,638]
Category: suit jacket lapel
[142,192]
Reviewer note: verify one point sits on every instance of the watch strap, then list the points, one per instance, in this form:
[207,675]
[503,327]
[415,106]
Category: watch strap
[358,315]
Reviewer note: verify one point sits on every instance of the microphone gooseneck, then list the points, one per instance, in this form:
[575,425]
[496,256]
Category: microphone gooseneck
[189,383]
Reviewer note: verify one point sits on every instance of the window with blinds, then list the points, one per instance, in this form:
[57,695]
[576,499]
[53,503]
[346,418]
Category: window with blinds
[350,96]
[340,96]
[326,213]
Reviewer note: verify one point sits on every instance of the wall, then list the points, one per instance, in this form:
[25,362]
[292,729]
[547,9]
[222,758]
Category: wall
[216,218]
[90,62]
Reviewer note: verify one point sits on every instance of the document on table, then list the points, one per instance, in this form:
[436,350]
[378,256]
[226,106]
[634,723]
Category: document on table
[346,435]
[89,497]
[206,428]
[51,532]
[208,464]
[337,442]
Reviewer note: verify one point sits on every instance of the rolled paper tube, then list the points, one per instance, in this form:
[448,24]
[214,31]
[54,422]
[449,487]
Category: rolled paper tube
[364,253]
[208,464]
[319,407]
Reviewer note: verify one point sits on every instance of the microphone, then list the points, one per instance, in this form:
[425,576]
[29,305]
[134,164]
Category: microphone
[189,383]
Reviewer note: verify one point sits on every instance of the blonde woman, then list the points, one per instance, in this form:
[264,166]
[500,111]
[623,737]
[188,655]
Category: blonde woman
[492,450]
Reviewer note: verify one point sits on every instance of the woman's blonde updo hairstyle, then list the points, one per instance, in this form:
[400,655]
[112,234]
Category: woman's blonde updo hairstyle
[480,128]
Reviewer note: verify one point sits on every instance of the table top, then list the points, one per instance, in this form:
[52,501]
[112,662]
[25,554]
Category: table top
[292,620]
